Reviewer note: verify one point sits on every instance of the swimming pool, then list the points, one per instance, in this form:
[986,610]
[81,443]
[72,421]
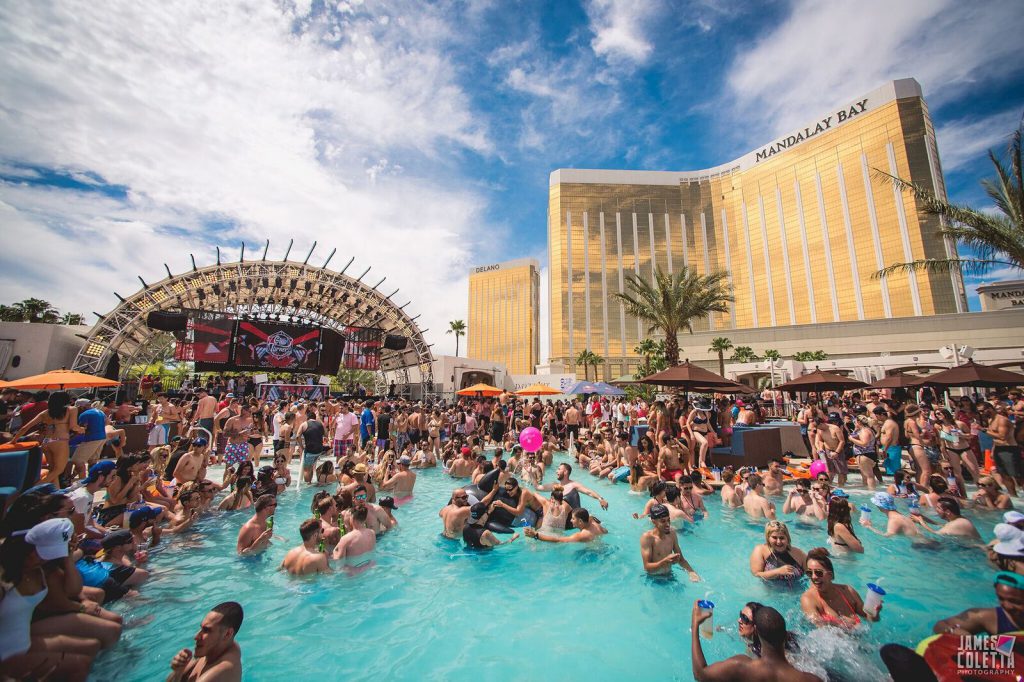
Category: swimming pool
[433,610]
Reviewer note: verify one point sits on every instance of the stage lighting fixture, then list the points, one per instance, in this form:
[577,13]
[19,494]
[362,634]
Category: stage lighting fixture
[320,290]
[216,289]
[278,282]
[294,283]
[202,295]
[266,282]
[307,286]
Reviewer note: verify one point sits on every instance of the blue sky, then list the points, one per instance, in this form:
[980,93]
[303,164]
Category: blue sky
[418,137]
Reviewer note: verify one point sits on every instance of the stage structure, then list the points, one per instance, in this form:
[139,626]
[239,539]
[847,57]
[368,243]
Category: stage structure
[284,290]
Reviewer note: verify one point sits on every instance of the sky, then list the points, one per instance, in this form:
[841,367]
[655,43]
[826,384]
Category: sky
[418,137]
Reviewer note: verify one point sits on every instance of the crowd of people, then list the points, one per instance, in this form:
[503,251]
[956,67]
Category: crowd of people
[82,539]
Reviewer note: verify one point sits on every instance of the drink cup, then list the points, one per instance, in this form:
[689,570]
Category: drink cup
[865,513]
[717,474]
[707,628]
[873,599]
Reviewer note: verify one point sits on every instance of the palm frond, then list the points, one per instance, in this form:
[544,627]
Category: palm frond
[969,266]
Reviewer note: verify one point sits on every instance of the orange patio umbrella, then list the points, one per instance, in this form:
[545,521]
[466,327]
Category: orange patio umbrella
[60,379]
[480,390]
[538,389]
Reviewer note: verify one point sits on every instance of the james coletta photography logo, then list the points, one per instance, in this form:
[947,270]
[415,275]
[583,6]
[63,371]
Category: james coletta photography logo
[980,655]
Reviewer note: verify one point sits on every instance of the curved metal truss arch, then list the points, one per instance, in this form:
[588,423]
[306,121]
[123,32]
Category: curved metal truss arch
[279,290]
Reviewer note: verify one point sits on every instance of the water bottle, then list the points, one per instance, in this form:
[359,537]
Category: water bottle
[716,473]
[707,628]
[270,522]
[865,514]
[912,504]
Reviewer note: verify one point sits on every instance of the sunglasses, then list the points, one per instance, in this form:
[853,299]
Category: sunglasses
[360,497]
[816,572]
[745,620]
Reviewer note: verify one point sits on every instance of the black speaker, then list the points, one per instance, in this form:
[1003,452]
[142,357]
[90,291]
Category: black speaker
[167,321]
[113,370]
[395,342]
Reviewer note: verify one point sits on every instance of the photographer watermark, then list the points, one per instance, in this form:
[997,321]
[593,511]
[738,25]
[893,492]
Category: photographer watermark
[980,655]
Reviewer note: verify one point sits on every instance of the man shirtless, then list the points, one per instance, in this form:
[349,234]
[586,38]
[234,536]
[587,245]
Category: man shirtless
[896,523]
[801,502]
[254,535]
[889,438]
[464,465]
[572,422]
[670,468]
[659,548]
[562,474]
[732,494]
[401,483]
[357,543]
[455,514]
[206,410]
[754,501]
[377,519]
[192,465]
[1005,450]
[830,445]
[773,479]
[307,558]
[218,657]
[770,666]
[956,525]
[590,529]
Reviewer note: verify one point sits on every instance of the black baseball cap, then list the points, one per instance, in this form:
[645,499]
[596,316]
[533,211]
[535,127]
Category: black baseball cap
[659,511]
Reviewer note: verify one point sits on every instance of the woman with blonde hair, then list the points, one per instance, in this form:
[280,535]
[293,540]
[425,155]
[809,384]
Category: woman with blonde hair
[58,420]
[777,558]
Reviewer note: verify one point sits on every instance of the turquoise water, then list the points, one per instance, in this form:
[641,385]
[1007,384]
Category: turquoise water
[432,610]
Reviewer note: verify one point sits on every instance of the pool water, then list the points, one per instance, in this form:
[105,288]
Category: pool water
[432,610]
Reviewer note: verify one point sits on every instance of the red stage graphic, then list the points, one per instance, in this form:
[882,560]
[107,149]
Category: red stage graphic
[276,346]
[206,340]
[362,348]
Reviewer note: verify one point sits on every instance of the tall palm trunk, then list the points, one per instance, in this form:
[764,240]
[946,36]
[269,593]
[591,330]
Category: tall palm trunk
[671,349]
[721,363]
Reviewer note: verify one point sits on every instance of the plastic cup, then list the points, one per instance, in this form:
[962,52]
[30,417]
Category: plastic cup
[707,628]
[717,474]
[865,514]
[873,599]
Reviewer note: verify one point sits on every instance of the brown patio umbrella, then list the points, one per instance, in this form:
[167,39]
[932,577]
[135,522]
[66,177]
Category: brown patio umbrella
[898,380]
[972,374]
[691,377]
[818,381]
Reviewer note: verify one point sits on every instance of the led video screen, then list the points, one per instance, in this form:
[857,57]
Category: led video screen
[207,339]
[361,349]
[270,345]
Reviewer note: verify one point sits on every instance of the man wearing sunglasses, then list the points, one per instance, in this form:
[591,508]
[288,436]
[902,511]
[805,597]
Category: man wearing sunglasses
[377,519]
[1007,617]
[455,514]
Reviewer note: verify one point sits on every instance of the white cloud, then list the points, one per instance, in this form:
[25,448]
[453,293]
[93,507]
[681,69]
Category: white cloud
[618,28]
[285,124]
[968,139]
[825,53]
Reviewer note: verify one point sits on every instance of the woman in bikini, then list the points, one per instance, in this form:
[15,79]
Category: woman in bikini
[840,527]
[955,444]
[698,423]
[57,423]
[829,603]
[777,558]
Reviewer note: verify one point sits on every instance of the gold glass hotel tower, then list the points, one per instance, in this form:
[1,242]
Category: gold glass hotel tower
[800,225]
[504,314]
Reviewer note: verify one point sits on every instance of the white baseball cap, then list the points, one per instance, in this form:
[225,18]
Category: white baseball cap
[1013,517]
[51,538]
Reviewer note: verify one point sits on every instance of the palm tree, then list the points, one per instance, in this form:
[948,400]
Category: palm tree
[587,358]
[653,353]
[457,327]
[674,301]
[10,313]
[72,319]
[771,354]
[810,355]
[996,238]
[37,310]
[744,354]
[720,345]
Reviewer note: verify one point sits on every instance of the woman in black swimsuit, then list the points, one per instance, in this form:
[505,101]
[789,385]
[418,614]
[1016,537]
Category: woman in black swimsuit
[777,558]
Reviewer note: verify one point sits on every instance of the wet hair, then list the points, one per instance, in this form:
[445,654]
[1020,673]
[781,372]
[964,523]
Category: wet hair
[264,501]
[243,465]
[728,475]
[754,480]
[821,555]
[325,469]
[557,492]
[803,483]
[568,468]
[685,479]
[949,504]
[938,483]
[898,476]
[657,488]
[771,627]
[309,528]
[581,514]
[358,488]
[57,407]
[230,614]
[839,512]
[671,493]
[241,485]
[324,504]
